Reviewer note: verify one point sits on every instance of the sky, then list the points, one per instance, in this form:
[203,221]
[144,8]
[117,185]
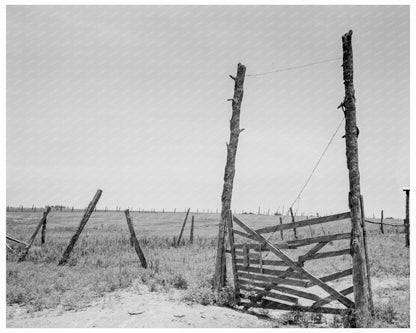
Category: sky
[133,100]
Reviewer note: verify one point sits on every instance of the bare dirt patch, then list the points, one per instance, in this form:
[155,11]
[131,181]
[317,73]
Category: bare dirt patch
[136,308]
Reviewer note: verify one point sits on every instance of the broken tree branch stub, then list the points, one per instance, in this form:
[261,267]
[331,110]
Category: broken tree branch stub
[219,277]
[81,226]
[133,239]
[32,239]
[362,312]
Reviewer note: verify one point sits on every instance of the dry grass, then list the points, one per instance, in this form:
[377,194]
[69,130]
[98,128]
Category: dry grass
[104,261]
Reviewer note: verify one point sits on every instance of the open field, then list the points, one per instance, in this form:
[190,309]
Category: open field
[103,261]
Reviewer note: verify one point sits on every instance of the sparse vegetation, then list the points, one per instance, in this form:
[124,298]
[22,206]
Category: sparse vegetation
[103,261]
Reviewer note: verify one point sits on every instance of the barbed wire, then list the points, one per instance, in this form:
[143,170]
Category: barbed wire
[311,174]
[293,68]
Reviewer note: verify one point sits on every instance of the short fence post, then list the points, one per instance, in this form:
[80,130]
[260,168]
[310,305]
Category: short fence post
[183,227]
[407,220]
[381,222]
[133,239]
[293,221]
[191,236]
[81,226]
[26,250]
[281,231]
[43,233]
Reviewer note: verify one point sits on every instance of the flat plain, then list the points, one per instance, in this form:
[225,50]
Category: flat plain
[103,262]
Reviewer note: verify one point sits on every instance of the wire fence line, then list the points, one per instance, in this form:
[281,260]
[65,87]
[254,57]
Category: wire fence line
[254,75]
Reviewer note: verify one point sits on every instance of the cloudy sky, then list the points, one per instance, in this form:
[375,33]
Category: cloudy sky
[132,100]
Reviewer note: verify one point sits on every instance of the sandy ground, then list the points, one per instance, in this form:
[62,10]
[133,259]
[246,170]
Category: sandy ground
[137,309]
[140,308]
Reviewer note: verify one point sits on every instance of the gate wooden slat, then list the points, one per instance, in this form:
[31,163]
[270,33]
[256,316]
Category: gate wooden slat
[288,307]
[311,252]
[332,277]
[304,223]
[267,271]
[329,299]
[229,222]
[255,277]
[344,300]
[326,255]
[265,262]
[242,255]
[318,239]
[266,293]
[242,234]
[283,289]
[299,242]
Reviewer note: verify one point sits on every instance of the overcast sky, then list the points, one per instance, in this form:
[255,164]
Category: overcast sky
[132,100]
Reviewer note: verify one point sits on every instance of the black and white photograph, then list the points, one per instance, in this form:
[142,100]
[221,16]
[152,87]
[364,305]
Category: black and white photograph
[207,165]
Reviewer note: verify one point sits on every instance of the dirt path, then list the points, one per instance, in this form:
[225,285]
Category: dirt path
[136,309]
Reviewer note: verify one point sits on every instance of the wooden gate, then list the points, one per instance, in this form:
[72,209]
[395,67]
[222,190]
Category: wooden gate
[266,276]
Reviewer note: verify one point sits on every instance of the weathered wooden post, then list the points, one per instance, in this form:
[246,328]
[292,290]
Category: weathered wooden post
[43,233]
[229,172]
[229,223]
[367,259]
[183,227]
[133,239]
[293,221]
[32,239]
[362,311]
[381,222]
[191,236]
[81,226]
[407,220]
[281,231]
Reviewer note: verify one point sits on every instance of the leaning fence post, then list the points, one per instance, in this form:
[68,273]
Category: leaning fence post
[293,221]
[43,233]
[381,222]
[191,236]
[133,239]
[29,244]
[183,227]
[81,226]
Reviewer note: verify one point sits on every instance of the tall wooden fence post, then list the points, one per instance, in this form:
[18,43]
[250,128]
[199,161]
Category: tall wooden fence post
[407,220]
[362,310]
[293,221]
[81,226]
[22,257]
[281,231]
[183,227]
[381,222]
[229,172]
[191,236]
[133,239]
